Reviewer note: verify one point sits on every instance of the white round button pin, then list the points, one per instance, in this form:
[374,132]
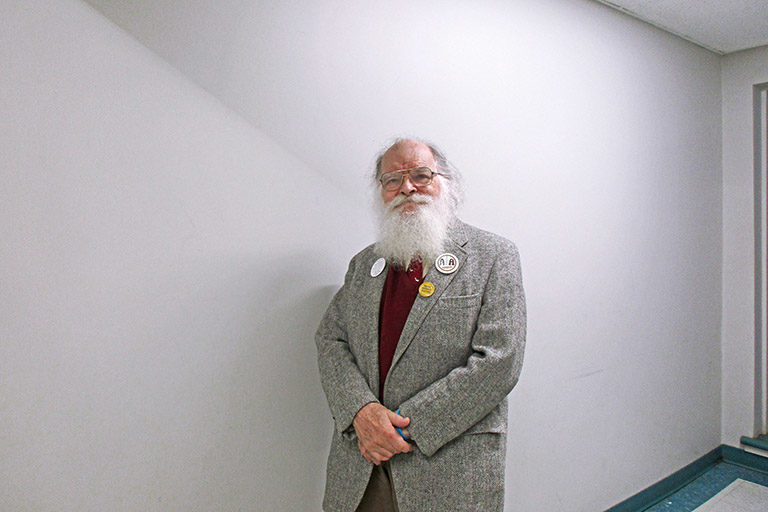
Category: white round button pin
[447,263]
[378,266]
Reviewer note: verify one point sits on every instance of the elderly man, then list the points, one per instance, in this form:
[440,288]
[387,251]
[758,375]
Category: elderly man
[419,349]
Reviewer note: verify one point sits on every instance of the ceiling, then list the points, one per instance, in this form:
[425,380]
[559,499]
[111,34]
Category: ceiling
[722,26]
[292,66]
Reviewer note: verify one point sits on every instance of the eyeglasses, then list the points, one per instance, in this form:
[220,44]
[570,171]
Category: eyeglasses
[420,176]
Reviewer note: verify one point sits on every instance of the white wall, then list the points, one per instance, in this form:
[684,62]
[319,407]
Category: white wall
[740,72]
[167,263]
[164,266]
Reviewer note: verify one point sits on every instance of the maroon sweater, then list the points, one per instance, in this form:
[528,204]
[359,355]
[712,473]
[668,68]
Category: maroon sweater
[400,290]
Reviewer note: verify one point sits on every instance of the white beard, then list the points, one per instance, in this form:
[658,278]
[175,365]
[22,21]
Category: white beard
[421,233]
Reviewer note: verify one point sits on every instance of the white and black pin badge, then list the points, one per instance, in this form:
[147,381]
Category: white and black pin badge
[447,263]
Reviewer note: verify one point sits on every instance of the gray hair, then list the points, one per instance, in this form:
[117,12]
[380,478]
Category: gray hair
[454,184]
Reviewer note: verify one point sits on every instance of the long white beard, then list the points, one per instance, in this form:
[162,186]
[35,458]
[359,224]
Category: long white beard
[421,233]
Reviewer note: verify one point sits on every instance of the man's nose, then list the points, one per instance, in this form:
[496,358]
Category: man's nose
[407,188]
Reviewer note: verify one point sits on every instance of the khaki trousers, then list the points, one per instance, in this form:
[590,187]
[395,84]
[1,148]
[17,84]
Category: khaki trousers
[379,495]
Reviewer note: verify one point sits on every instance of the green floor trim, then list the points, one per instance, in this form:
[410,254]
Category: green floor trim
[660,490]
[744,458]
[673,483]
[754,442]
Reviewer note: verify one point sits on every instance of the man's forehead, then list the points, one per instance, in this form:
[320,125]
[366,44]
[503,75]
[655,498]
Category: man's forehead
[407,153]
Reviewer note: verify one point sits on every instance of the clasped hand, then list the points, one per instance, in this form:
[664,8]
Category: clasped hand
[377,438]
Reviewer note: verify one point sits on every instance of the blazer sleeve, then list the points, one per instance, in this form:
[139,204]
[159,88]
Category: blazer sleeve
[453,404]
[344,385]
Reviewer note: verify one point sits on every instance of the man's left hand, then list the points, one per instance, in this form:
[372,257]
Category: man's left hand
[377,438]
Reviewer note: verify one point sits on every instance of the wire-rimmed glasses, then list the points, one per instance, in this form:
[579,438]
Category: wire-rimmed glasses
[419,176]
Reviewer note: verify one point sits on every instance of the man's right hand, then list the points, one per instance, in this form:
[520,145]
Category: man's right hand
[376,435]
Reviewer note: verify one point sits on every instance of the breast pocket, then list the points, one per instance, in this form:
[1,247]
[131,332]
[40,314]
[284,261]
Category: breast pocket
[452,322]
[460,301]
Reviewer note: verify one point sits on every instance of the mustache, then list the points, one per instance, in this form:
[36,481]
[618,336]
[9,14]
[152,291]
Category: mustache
[415,198]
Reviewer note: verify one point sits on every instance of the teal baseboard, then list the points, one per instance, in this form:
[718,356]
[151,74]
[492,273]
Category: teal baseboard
[676,481]
[754,442]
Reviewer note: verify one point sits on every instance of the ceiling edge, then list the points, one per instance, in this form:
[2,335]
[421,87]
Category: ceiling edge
[660,26]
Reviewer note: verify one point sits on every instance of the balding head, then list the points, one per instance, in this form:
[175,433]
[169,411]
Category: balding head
[403,154]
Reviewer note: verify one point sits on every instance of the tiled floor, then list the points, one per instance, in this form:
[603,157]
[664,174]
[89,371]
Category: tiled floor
[740,496]
[714,480]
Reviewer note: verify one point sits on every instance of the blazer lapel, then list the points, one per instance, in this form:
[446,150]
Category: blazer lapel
[423,305]
[368,313]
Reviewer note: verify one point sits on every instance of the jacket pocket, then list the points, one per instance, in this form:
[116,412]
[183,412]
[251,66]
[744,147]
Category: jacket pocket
[461,301]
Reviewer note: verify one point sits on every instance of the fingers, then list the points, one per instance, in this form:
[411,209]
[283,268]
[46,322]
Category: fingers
[398,444]
[376,455]
[380,446]
[397,420]
[378,440]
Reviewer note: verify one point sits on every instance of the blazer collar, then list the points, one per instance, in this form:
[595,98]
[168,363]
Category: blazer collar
[457,232]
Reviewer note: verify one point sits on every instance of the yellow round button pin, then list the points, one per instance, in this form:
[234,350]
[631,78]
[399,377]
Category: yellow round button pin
[426,289]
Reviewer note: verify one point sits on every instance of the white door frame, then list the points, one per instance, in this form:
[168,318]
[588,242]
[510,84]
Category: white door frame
[760,116]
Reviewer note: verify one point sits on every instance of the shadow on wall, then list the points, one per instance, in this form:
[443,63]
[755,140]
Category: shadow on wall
[276,425]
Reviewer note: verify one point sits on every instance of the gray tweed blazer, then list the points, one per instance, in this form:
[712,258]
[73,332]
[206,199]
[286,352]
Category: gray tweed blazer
[460,354]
